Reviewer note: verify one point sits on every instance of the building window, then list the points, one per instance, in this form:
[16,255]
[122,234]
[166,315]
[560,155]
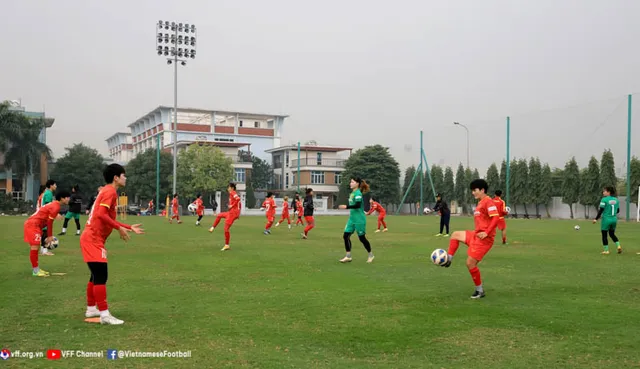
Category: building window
[240,175]
[319,196]
[319,158]
[338,178]
[286,180]
[276,161]
[286,159]
[240,123]
[317,177]
[256,124]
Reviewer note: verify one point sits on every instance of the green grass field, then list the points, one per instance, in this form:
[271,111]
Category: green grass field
[281,302]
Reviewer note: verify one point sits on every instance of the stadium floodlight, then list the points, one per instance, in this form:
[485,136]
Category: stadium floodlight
[177,42]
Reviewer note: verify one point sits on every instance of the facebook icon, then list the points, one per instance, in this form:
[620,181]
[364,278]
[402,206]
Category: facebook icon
[112,354]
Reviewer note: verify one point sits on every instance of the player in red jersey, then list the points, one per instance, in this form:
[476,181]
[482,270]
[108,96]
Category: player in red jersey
[229,216]
[502,209]
[375,206]
[102,220]
[308,212]
[299,210]
[269,207]
[174,209]
[33,226]
[479,241]
[199,208]
[285,212]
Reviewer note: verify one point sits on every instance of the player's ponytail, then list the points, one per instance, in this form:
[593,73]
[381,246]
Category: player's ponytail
[362,184]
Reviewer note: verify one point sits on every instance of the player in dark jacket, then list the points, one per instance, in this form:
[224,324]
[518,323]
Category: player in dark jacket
[445,215]
[75,207]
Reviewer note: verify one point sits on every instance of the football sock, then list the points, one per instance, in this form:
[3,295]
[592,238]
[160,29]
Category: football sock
[104,313]
[475,275]
[33,256]
[479,288]
[348,254]
[100,294]
[91,301]
[618,243]
[606,247]
[370,254]
[453,247]
[64,230]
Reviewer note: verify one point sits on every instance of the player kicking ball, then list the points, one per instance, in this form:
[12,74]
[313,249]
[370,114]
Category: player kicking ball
[102,220]
[481,239]
[235,206]
[609,209]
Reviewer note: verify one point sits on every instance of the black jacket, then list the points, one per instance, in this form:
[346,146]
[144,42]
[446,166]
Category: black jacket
[308,206]
[442,207]
[93,199]
[75,203]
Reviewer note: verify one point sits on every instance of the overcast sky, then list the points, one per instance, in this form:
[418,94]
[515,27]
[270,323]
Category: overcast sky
[347,72]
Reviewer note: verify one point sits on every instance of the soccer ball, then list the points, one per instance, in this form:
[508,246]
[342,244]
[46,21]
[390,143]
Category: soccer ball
[53,244]
[439,257]
[508,210]
[427,210]
[577,228]
[192,208]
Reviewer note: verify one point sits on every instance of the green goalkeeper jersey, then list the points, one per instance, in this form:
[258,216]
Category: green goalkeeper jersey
[356,215]
[611,206]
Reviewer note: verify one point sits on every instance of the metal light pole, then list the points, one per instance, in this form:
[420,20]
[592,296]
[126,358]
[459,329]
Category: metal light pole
[179,45]
[466,129]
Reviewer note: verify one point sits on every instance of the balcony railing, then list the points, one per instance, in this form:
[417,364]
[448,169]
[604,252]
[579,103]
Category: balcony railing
[237,159]
[314,162]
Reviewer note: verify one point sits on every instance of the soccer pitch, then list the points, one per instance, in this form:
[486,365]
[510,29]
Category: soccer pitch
[281,302]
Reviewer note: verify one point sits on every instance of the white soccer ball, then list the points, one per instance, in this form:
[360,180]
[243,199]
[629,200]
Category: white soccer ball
[53,244]
[192,208]
[508,210]
[439,257]
[577,228]
[427,210]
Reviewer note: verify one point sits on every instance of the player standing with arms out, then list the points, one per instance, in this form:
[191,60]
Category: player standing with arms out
[229,216]
[299,210]
[285,212]
[269,206]
[102,220]
[609,209]
[174,209]
[479,241]
[47,197]
[308,212]
[75,207]
[33,226]
[199,208]
[445,215]
[357,220]
[375,206]
[502,209]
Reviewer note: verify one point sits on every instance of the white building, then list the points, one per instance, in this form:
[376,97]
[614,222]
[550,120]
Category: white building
[120,147]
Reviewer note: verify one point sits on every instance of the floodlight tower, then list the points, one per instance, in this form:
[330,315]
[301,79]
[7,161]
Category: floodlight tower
[177,42]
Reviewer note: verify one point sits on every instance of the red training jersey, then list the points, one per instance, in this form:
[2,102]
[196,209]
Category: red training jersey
[501,205]
[485,210]
[285,208]
[377,207]
[199,205]
[102,218]
[269,205]
[39,201]
[234,202]
[299,206]
[44,217]
[174,204]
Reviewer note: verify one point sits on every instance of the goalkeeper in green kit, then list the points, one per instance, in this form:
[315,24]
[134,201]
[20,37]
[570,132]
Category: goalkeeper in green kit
[609,209]
[357,219]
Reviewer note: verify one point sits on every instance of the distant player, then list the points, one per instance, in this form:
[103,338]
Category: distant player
[300,211]
[609,209]
[75,207]
[308,212]
[150,207]
[357,220]
[33,226]
[445,215]
[375,206]
[229,216]
[269,207]
[285,212]
[101,222]
[174,209]
[502,209]
[199,208]
[479,241]
[47,197]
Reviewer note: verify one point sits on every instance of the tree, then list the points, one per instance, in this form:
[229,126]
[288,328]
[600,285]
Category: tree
[607,170]
[438,178]
[141,175]
[376,165]
[635,179]
[545,189]
[251,197]
[203,169]
[261,171]
[459,192]
[590,186]
[514,185]
[469,200]
[503,175]
[82,166]
[523,185]
[535,177]
[448,185]
[493,178]
[571,184]
[413,194]
[10,126]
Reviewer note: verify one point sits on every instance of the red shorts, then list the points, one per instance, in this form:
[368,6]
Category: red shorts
[309,219]
[502,224]
[285,215]
[230,218]
[32,236]
[477,248]
[271,217]
[175,211]
[200,213]
[92,251]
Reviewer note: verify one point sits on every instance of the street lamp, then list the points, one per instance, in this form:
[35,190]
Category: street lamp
[467,129]
[177,42]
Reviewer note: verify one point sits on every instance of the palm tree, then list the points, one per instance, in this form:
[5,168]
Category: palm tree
[9,126]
